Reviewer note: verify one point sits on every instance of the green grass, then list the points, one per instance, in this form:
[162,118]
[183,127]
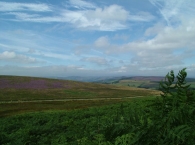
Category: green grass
[10,109]
[61,127]
[90,93]
[83,94]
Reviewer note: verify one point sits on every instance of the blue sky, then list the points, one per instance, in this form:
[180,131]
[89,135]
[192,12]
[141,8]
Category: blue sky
[96,37]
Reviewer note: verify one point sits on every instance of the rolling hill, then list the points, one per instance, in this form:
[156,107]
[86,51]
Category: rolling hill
[31,88]
[24,94]
[147,82]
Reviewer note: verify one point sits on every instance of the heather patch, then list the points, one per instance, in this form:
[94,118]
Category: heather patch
[15,88]
[30,84]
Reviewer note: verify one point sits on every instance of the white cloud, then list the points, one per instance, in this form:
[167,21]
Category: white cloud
[102,42]
[22,42]
[154,30]
[122,69]
[110,18]
[58,56]
[88,16]
[123,37]
[158,51]
[191,67]
[96,60]
[4,45]
[107,19]
[13,57]
[173,10]
[7,55]
[141,16]
[23,16]
[14,6]
[167,39]
[155,59]
[80,4]
[110,13]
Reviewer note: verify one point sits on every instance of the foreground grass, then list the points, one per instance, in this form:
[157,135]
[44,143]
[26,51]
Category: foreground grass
[86,126]
[168,119]
[9,109]
[127,123]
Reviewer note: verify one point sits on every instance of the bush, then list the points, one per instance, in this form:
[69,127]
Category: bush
[173,114]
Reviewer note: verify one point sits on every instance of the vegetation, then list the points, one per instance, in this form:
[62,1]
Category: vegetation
[27,88]
[173,114]
[167,119]
[9,109]
[147,82]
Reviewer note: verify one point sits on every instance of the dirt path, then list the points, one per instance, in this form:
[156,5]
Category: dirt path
[66,100]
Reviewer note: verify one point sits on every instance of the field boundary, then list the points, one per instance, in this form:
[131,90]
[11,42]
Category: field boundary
[66,100]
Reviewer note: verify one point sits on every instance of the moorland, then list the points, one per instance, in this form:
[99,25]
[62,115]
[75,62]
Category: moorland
[51,111]
[23,94]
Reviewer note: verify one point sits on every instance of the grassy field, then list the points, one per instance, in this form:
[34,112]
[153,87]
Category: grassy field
[9,109]
[27,94]
[79,127]
[37,111]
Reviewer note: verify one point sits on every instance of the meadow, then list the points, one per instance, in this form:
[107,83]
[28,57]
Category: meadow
[123,119]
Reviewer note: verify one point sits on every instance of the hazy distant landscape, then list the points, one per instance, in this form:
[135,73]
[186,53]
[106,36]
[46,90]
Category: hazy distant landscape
[147,82]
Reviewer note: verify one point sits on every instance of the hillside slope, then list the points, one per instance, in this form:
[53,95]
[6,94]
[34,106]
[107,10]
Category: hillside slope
[31,88]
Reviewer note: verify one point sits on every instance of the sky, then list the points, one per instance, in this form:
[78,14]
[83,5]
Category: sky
[96,37]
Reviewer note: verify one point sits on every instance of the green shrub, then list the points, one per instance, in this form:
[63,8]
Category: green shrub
[173,114]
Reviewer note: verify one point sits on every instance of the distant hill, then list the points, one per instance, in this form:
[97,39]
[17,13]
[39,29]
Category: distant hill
[149,78]
[83,78]
[138,78]
[147,82]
